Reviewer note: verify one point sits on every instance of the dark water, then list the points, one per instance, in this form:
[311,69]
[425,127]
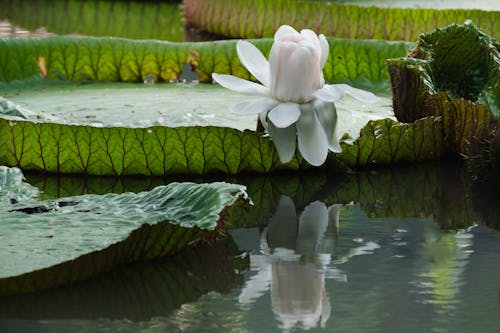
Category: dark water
[393,250]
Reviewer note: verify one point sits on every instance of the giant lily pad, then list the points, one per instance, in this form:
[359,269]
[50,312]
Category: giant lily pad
[55,242]
[452,73]
[129,130]
[261,18]
[125,60]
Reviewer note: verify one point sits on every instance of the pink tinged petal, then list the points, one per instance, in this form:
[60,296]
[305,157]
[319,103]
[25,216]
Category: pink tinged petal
[325,50]
[286,33]
[330,93]
[254,61]
[311,37]
[327,115]
[294,75]
[284,114]
[239,85]
[361,95]
[254,107]
[285,141]
[313,143]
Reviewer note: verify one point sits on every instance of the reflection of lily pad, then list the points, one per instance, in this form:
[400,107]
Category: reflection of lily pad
[449,74]
[137,291]
[49,243]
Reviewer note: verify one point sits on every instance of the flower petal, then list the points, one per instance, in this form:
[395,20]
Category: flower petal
[254,61]
[287,33]
[325,50]
[239,85]
[329,93]
[313,144]
[327,115]
[295,72]
[311,37]
[285,141]
[254,107]
[361,95]
[284,114]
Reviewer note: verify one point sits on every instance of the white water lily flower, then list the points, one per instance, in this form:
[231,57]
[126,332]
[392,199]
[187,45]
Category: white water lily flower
[297,105]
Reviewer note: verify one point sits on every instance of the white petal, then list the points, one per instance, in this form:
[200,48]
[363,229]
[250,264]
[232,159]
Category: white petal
[330,93]
[361,95]
[254,61]
[284,114]
[239,85]
[285,141]
[254,107]
[327,115]
[295,72]
[311,37]
[313,144]
[325,50]
[286,32]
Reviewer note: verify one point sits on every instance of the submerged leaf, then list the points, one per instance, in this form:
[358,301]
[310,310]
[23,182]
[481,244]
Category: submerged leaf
[56,242]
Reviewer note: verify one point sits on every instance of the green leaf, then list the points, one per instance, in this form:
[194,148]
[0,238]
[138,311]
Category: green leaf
[386,141]
[138,20]
[120,129]
[116,59]
[261,18]
[56,242]
[448,74]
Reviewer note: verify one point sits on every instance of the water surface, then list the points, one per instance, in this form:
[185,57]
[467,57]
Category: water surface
[393,250]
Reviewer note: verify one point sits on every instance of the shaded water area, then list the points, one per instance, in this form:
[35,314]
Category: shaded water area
[409,249]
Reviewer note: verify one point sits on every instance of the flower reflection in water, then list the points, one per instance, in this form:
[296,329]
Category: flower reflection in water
[294,264]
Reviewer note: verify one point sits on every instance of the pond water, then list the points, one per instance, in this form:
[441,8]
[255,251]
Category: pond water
[391,250]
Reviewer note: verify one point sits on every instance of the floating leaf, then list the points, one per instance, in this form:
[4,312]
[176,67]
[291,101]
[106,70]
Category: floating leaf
[448,74]
[122,129]
[50,243]
[261,18]
[117,59]
[387,142]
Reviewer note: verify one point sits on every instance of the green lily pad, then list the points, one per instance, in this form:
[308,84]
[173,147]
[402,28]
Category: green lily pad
[55,242]
[261,18]
[452,73]
[126,60]
[116,130]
